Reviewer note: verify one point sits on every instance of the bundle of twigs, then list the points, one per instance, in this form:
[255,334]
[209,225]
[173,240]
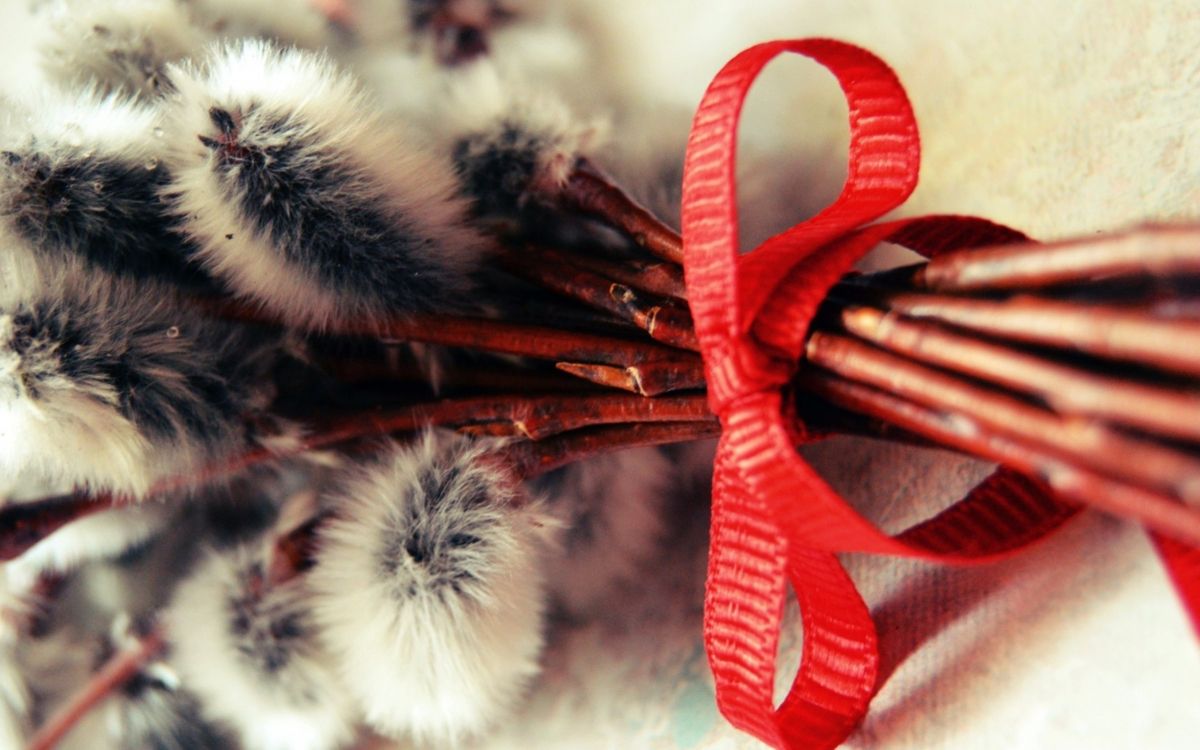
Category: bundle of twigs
[1071,362]
[1074,363]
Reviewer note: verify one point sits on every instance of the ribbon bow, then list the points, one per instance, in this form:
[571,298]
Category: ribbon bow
[774,520]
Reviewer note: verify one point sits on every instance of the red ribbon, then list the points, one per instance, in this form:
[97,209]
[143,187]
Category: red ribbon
[774,520]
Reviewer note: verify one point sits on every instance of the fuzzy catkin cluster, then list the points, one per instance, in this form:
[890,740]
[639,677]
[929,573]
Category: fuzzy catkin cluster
[324,172]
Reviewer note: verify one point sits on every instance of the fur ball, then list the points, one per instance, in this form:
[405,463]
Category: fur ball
[80,176]
[510,148]
[303,200]
[429,586]
[118,45]
[109,386]
[251,654]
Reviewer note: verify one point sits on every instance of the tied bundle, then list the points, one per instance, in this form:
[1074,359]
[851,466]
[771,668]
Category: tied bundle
[1020,353]
[271,293]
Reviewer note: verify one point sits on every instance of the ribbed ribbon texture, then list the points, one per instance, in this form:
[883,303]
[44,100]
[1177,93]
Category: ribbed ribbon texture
[775,522]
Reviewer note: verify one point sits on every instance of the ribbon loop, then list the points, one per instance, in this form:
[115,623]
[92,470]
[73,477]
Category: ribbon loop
[726,292]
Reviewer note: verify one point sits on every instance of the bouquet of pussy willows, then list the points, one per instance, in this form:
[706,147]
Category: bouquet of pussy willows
[333,363]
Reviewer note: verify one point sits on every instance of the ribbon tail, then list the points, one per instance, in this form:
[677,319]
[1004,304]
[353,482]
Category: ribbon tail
[743,604]
[1004,514]
[840,661]
[748,568]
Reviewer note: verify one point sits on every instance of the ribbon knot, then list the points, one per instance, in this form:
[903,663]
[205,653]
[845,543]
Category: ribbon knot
[742,368]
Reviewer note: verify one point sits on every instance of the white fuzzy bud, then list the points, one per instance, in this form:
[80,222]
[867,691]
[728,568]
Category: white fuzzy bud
[430,593]
[302,199]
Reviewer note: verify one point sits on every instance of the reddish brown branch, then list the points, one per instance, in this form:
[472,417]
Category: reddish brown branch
[589,192]
[507,338]
[1153,509]
[22,525]
[650,379]
[1155,251]
[1088,443]
[1066,389]
[531,459]
[663,322]
[537,342]
[656,277]
[118,671]
[1103,331]
[536,417]
[490,376]
[636,366]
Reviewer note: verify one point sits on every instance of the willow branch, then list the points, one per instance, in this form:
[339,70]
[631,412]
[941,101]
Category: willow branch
[1065,389]
[656,277]
[115,673]
[1156,251]
[1099,330]
[531,459]
[1086,442]
[588,191]
[662,321]
[1153,509]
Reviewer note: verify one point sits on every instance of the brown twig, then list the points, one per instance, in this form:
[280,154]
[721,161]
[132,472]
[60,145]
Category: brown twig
[493,376]
[637,366]
[1145,506]
[1086,442]
[539,342]
[588,191]
[118,671]
[656,277]
[536,418]
[1099,330]
[666,323]
[650,379]
[663,322]
[23,525]
[530,459]
[1155,251]
[1065,389]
